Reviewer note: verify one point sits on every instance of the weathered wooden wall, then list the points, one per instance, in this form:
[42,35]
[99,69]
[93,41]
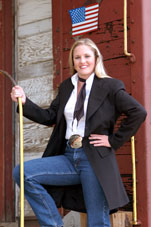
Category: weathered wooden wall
[34,71]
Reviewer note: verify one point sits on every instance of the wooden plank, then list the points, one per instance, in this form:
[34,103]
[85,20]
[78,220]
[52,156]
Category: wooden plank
[31,222]
[37,48]
[35,10]
[9,224]
[34,61]
[36,27]
[39,89]
[36,137]
[83,217]
[36,70]
[119,219]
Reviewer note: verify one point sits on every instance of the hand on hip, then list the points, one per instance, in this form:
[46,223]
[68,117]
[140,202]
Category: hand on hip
[99,140]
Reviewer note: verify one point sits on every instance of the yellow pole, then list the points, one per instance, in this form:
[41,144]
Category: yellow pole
[134,181]
[125,29]
[21,164]
[21,152]
[132,56]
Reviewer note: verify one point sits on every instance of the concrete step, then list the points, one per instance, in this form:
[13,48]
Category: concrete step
[75,219]
[9,224]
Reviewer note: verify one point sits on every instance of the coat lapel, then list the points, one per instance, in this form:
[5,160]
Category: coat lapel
[98,93]
[64,96]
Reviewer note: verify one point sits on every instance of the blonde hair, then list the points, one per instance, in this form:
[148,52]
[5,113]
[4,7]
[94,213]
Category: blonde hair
[99,68]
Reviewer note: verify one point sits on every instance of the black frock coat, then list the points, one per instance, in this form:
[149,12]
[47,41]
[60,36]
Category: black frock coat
[107,101]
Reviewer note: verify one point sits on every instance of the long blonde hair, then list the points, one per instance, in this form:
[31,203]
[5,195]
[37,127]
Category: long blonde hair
[99,68]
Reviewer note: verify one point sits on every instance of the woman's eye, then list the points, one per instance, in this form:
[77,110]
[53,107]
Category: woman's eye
[87,56]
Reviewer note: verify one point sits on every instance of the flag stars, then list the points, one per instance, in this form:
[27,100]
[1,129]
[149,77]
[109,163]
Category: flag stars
[77,15]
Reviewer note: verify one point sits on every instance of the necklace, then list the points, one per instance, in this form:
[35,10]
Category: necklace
[81,79]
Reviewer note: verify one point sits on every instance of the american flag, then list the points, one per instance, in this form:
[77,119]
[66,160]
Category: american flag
[84,19]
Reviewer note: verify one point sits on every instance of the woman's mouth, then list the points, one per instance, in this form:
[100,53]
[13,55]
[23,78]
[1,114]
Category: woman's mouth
[83,66]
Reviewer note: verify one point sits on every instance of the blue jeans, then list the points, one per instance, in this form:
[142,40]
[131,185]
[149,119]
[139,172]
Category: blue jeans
[69,169]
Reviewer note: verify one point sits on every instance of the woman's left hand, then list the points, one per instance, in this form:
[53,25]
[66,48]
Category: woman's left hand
[99,140]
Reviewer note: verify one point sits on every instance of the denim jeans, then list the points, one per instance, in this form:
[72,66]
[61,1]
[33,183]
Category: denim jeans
[69,169]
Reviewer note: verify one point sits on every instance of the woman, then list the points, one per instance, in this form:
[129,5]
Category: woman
[79,170]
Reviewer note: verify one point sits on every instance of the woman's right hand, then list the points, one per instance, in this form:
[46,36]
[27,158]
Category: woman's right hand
[17,92]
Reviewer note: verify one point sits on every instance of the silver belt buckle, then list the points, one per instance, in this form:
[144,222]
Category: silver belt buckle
[75,141]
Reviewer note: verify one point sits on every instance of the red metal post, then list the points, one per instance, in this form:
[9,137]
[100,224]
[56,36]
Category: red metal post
[9,155]
[57,41]
[2,185]
[6,137]
[141,84]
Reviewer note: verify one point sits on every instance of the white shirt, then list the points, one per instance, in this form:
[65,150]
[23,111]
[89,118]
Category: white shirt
[72,126]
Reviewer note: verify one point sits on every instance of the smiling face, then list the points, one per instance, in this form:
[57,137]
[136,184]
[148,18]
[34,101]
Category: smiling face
[84,61]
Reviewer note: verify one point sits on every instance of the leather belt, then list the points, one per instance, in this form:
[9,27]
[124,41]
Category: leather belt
[75,141]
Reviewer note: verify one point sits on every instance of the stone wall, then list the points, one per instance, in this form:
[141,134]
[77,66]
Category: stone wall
[34,72]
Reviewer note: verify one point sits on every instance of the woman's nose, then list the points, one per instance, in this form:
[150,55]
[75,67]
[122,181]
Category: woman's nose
[82,60]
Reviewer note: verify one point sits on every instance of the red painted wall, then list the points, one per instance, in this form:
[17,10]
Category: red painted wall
[6,137]
[136,76]
[109,39]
